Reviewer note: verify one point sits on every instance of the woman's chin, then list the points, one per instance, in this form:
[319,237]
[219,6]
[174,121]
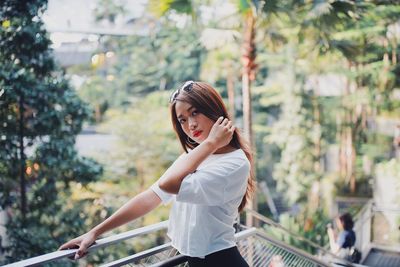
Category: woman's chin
[198,140]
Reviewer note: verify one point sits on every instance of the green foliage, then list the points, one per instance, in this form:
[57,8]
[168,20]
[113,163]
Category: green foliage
[296,40]
[146,152]
[312,228]
[163,7]
[364,189]
[97,92]
[159,61]
[39,107]
[296,134]
[107,10]
[145,64]
[390,168]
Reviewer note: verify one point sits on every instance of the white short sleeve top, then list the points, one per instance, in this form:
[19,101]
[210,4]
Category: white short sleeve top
[206,206]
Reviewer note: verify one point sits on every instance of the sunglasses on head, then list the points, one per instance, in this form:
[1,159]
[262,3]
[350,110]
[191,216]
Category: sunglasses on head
[187,87]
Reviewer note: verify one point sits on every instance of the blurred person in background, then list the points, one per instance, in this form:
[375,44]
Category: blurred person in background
[343,241]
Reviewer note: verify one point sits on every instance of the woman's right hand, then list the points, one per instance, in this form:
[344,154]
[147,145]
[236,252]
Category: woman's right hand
[82,243]
[331,233]
[222,132]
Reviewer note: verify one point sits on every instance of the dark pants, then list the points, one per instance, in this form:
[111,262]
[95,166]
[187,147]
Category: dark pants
[229,257]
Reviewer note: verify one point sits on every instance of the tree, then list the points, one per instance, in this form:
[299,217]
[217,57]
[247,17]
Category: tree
[107,10]
[40,115]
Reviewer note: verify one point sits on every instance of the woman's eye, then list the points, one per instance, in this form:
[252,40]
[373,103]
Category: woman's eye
[182,121]
[194,112]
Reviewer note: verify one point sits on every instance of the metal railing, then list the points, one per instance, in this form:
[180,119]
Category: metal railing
[260,250]
[323,254]
[362,228]
[257,247]
[373,228]
[101,243]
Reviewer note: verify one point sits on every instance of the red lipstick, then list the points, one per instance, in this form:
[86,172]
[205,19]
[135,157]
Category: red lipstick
[196,133]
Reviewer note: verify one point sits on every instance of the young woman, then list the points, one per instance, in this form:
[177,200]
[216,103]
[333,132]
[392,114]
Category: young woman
[208,184]
[346,238]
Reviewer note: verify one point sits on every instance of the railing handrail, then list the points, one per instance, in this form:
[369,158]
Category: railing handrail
[389,209]
[49,257]
[143,254]
[53,256]
[291,249]
[367,207]
[245,234]
[138,256]
[297,236]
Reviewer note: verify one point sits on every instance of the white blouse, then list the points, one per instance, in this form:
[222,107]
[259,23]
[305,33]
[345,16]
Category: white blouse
[206,206]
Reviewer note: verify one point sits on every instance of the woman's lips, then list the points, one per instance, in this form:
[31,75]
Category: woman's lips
[197,133]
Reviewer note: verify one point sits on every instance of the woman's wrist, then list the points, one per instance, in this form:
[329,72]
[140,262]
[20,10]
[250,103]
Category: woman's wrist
[96,232]
[210,144]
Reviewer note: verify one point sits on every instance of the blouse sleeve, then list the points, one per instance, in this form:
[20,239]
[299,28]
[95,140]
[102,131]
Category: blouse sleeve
[164,196]
[215,184]
[341,239]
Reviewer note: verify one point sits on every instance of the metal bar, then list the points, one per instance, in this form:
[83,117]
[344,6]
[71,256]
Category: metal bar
[291,249]
[138,256]
[152,251]
[171,262]
[181,258]
[261,256]
[49,257]
[290,259]
[305,255]
[386,209]
[395,249]
[271,204]
[246,233]
[293,235]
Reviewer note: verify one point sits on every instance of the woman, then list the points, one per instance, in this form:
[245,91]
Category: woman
[208,184]
[341,244]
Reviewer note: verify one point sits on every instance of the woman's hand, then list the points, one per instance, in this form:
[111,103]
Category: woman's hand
[331,233]
[221,133]
[82,242]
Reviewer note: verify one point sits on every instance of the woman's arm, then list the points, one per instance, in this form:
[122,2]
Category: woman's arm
[220,135]
[133,209]
[332,241]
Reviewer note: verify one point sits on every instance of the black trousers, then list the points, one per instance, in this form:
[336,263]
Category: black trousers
[229,257]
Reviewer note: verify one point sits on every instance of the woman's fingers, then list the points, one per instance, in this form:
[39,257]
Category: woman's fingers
[81,255]
[81,243]
[82,251]
[70,244]
[227,125]
[222,131]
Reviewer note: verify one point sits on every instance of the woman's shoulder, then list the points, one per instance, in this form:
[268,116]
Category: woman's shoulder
[232,159]
[233,154]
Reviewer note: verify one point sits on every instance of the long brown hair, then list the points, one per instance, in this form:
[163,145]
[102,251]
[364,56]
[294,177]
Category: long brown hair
[207,101]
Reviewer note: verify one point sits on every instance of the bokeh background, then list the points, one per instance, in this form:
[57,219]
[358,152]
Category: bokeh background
[84,120]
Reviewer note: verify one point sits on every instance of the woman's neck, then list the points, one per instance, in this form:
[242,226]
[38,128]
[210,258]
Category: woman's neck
[225,149]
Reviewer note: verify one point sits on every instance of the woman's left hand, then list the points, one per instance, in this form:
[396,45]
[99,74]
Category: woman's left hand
[221,133]
[331,233]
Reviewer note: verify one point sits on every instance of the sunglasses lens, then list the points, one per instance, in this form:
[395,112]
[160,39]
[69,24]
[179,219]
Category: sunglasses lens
[174,95]
[187,87]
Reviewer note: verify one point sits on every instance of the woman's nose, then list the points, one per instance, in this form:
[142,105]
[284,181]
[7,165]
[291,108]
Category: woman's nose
[192,124]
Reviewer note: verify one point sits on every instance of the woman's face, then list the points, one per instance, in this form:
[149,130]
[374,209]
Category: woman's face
[195,125]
